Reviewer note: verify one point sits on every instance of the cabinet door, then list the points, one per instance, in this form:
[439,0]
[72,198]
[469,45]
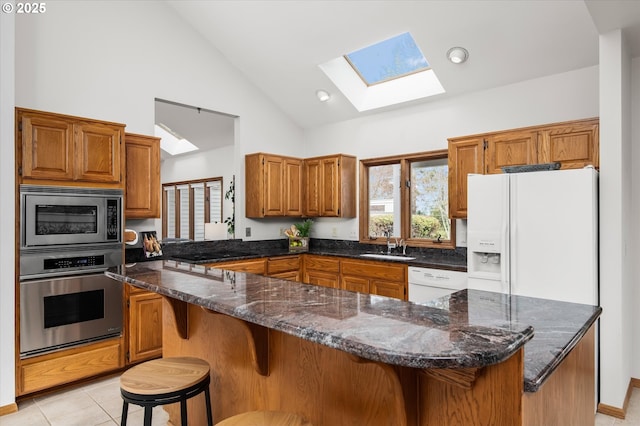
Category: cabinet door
[572,145]
[312,187]
[273,188]
[145,326]
[330,187]
[292,186]
[465,156]
[47,147]
[98,152]
[142,195]
[511,149]
[388,288]
[323,279]
[359,284]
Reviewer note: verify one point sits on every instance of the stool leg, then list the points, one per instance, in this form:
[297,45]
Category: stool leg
[208,402]
[183,412]
[125,411]
[147,415]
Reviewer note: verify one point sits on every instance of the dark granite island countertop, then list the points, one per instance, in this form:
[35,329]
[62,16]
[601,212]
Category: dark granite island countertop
[472,353]
[372,327]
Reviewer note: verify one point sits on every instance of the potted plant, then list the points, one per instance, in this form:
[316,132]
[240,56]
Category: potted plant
[299,236]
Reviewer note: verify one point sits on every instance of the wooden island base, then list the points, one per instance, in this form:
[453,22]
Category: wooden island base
[255,368]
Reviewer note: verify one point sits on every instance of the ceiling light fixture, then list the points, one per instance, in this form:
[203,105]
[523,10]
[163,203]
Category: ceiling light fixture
[323,95]
[457,55]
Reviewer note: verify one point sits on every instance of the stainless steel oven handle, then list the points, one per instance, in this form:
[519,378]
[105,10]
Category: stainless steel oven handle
[67,273]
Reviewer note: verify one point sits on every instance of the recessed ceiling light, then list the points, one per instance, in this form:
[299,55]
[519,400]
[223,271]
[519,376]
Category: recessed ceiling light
[457,55]
[323,95]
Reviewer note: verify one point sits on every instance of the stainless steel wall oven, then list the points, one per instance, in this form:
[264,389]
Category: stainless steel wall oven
[68,237]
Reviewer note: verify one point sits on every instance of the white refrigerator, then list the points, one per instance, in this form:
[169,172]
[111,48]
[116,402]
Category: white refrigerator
[534,234]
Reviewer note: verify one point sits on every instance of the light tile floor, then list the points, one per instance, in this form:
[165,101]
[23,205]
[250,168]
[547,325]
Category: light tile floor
[100,404]
[95,404]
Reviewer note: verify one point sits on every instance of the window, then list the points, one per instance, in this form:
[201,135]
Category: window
[388,59]
[406,197]
[187,206]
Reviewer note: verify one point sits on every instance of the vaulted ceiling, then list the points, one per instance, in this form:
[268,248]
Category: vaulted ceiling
[278,45]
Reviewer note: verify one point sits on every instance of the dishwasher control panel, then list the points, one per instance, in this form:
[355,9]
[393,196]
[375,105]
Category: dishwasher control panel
[427,284]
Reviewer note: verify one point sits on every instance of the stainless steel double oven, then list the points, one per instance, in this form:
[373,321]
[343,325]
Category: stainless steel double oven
[68,237]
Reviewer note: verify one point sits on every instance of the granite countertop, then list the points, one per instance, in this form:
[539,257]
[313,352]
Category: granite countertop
[372,327]
[469,328]
[557,326]
[212,252]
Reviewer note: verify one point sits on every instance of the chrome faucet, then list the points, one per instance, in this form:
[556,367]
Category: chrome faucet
[403,244]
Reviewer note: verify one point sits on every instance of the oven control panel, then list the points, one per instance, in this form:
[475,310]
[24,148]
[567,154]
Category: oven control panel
[73,262]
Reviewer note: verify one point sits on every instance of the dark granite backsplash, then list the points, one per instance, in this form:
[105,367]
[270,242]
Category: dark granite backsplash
[456,259]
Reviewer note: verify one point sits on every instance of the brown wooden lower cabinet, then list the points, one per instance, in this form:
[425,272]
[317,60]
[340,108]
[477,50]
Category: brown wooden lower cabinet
[70,365]
[370,276]
[321,270]
[145,326]
[285,267]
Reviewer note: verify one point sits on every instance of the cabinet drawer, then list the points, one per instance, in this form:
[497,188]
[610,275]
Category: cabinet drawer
[372,269]
[79,364]
[276,265]
[257,266]
[321,263]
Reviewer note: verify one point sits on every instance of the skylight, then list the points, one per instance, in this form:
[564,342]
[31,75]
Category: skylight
[388,59]
[389,72]
[172,142]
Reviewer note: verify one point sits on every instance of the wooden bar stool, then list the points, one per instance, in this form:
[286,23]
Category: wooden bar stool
[265,418]
[165,381]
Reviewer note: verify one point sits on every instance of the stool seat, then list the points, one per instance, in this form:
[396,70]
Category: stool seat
[265,418]
[165,381]
[164,375]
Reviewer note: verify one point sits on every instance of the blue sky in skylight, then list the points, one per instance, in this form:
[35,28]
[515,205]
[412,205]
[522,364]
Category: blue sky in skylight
[388,59]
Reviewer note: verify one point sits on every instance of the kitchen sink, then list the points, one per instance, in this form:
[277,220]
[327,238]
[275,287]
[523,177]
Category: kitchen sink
[387,256]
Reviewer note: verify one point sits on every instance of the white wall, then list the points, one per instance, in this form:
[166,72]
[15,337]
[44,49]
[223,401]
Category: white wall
[7,212]
[616,286]
[635,189]
[560,97]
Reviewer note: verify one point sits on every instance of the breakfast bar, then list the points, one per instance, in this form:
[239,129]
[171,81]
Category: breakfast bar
[342,358]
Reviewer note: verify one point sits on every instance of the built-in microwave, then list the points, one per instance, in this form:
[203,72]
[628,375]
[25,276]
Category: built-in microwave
[63,216]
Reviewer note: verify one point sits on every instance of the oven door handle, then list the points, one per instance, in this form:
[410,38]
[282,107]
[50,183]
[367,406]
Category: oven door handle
[78,273]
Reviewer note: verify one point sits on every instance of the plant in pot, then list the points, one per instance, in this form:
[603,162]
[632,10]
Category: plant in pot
[299,236]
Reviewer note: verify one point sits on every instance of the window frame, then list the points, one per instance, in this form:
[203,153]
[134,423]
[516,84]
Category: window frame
[207,204]
[405,161]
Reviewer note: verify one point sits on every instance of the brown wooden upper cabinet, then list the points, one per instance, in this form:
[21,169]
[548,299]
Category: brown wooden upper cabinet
[573,144]
[273,185]
[142,188]
[330,186]
[56,147]
[280,186]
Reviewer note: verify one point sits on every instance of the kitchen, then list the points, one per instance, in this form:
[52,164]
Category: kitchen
[575,95]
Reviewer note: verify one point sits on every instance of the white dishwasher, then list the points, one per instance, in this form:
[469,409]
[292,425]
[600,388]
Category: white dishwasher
[427,284]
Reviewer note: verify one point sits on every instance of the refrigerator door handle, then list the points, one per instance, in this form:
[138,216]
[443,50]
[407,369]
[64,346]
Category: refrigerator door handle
[504,262]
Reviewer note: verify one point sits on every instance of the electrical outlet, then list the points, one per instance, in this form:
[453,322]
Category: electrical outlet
[282,232]
[334,232]
[352,234]
[247,231]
